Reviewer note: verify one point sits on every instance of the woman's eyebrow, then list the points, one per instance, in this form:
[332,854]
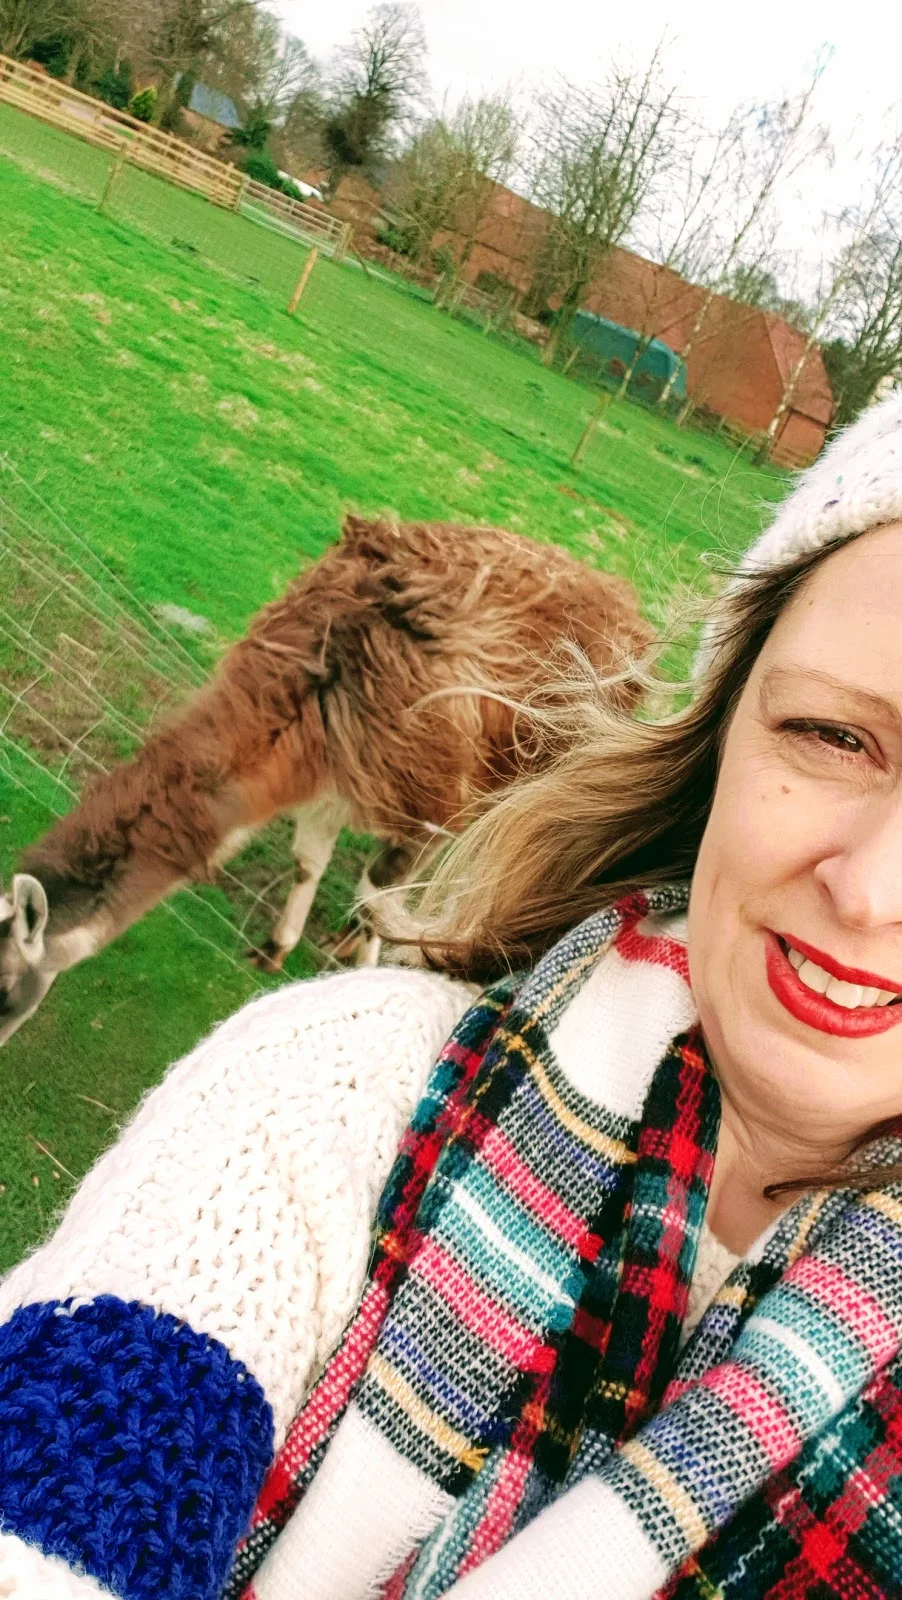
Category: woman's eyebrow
[777,678]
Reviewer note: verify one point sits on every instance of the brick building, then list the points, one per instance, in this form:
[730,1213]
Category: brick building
[740,361]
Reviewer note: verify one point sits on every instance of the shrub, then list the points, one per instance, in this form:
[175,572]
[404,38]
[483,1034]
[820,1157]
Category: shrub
[254,135]
[403,241]
[52,53]
[143,104]
[261,167]
[490,283]
[116,87]
[443,262]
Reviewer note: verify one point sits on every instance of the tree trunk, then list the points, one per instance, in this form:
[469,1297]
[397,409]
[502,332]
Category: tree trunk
[627,378]
[73,65]
[591,427]
[694,332]
[549,354]
[642,345]
[684,413]
[563,322]
[762,454]
[18,31]
[165,96]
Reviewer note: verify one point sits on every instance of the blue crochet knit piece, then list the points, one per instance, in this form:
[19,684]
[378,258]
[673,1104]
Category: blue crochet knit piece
[130,1445]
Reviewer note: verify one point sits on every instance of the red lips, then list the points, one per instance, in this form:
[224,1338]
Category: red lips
[815,1009]
[868,980]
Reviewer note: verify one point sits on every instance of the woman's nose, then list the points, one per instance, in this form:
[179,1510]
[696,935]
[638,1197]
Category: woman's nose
[863,875]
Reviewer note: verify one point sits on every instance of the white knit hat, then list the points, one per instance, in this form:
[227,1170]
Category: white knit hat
[854,486]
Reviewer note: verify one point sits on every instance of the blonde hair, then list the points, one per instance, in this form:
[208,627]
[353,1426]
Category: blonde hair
[619,803]
[622,804]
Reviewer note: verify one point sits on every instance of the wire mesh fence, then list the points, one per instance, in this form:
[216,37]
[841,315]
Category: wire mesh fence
[262,246]
[78,168]
[235,245]
[86,672]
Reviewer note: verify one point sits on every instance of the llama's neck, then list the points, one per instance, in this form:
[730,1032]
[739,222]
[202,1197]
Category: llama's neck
[139,832]
[226,765]
[91,900]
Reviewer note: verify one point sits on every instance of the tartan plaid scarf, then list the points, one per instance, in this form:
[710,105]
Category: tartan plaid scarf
[517,1344]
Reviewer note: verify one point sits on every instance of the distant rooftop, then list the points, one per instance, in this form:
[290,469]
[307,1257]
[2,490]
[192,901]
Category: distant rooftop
[213,105]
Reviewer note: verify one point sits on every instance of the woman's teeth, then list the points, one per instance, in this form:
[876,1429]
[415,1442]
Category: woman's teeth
[849,995]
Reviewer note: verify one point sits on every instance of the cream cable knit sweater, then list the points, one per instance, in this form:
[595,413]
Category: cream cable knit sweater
[241,1196]
[239,1201]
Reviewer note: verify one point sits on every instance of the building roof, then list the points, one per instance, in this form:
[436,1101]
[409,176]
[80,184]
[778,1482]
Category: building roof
[213,105]
[813,395]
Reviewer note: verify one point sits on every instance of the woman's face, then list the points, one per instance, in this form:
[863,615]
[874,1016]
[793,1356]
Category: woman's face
[795,918]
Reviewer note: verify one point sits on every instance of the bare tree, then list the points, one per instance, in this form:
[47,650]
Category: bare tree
[24,22]
[377,81]
[298,139]
[181,36]
[282,73]
[261,68]
[675,236]
[865,351]
[861,273]
[90,28]
[231,64]
[487,133]
[759,285]
[89,31]
[597,157]
[767,145]
[444,180]
[422,188]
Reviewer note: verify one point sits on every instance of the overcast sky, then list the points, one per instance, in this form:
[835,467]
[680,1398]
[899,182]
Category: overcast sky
[720,55]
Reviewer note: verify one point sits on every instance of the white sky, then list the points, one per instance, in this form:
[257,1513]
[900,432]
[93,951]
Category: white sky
[719,54]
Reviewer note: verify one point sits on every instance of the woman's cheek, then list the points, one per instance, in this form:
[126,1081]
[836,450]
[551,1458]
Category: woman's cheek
[762,820]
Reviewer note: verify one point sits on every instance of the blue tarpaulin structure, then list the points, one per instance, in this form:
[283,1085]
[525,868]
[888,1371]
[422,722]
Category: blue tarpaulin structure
[609,350]
[213,105]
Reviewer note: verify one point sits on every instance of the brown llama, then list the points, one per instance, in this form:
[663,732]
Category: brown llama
[334,706]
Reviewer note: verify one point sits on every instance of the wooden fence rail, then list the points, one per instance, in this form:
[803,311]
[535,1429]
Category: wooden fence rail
[313,223]
[166,156]
[99,124]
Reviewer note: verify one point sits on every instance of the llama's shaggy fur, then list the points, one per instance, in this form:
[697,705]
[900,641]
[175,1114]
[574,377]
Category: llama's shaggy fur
[340,691]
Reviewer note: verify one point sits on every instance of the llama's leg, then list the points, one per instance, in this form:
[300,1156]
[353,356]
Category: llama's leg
[382,880]
[316,831]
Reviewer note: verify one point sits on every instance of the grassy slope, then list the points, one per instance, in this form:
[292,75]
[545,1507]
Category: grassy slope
[205,445]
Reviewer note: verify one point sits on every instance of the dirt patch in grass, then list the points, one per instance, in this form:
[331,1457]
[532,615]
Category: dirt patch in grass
[238,412]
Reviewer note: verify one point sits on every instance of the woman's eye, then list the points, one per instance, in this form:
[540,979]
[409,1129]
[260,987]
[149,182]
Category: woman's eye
[829,733]
[842,738]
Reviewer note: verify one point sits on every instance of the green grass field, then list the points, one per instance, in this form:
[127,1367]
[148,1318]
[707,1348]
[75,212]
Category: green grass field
[204,446]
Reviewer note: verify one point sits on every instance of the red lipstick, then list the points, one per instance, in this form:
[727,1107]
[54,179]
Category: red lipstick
[815,1009]
[868,980]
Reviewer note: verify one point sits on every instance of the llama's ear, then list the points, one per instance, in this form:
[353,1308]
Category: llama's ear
[30,913]
[357,527]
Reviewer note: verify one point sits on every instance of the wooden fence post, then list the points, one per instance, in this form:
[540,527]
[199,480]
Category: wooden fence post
[112,176]
[241,192]
[604,400]
[301,284]
[344,244]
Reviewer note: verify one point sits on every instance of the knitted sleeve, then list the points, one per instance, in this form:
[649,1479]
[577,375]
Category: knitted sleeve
[155,1350]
